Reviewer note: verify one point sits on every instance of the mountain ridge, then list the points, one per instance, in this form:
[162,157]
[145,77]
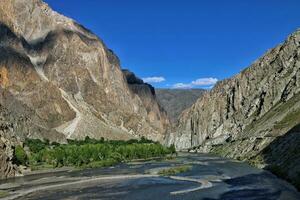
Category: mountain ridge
[241,116]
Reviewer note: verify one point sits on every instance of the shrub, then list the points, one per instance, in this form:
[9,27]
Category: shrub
[172,148]
[20,156]
[92,152]
[175,170]
[36,145]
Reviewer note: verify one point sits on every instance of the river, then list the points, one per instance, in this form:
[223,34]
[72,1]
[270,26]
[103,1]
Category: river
[209,178]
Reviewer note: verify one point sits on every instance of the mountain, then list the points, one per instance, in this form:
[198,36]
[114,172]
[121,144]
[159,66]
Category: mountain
[252,116]
[147,94]
[174,101]
[59,81]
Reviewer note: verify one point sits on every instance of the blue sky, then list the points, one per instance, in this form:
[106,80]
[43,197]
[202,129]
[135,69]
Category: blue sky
[186,43]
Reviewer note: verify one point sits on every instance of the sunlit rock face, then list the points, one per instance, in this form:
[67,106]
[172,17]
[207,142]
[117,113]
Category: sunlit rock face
[66,80]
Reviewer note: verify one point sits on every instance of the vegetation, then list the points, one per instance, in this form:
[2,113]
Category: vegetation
[20,156]
[36,145]
[172,149]
[256,161]
[92,153]
[175,170]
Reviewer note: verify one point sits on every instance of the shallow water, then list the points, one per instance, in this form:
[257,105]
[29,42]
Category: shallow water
[211,177]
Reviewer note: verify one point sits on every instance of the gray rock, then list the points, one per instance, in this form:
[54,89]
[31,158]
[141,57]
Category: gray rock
[251,104]
[156,114]
[241,116]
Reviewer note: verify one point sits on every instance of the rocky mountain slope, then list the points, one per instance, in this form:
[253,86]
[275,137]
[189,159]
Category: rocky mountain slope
[7,143]
[174,101]
[62,82]
[11,122]
[245,116]
[156,114]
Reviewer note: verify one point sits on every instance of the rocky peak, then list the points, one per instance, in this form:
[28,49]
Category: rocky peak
[132,79]
[70,84]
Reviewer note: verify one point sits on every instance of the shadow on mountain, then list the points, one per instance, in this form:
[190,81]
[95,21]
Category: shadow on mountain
[282,156]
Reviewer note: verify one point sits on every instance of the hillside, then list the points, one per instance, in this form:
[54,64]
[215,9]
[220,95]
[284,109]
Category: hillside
[174,101]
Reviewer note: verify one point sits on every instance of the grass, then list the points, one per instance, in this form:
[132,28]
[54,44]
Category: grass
[3,193]
[175,170]
[98,164]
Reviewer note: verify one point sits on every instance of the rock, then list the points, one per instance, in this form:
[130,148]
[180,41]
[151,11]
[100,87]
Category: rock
[156,114]
[65,81]
[252,104]
[8,141]
[242,116]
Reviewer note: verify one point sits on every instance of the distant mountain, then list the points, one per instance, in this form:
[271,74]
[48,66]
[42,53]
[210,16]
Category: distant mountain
[174,101]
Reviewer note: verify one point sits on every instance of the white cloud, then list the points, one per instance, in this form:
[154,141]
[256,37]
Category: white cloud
[182,86]
[201,82]
[205,81]
[154,79]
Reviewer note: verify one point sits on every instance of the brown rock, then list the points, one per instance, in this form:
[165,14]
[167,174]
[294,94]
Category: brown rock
[67,80]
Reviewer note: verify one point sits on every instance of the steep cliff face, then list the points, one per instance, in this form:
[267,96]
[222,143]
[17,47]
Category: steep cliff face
[156,114]
[243,115]
[68,83]
[175,101]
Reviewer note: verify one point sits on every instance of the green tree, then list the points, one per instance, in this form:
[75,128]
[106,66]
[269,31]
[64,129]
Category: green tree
[20,156]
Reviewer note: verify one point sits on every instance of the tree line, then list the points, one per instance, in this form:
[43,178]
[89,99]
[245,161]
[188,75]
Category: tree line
[88,152]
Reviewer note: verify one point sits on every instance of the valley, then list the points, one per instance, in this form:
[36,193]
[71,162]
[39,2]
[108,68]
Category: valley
[76,124]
